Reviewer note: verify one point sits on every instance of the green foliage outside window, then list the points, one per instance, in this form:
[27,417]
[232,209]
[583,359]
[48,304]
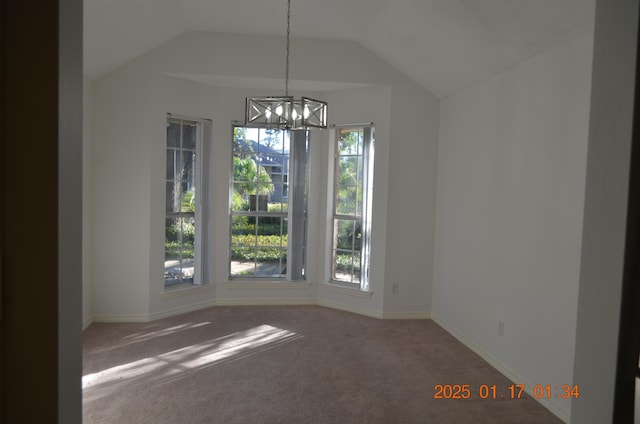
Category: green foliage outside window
[250,178]
[268,247]
[343,262]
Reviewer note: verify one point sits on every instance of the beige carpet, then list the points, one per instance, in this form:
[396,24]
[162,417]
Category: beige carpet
[293,364]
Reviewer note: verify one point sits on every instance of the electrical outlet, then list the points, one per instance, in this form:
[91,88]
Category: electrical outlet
[394,288]
[501,328]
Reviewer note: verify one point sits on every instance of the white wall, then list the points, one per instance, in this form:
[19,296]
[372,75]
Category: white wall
[413,163]
[86,202]
[128,130]
[121,190]
[610,132]
[70,212]
[511,179]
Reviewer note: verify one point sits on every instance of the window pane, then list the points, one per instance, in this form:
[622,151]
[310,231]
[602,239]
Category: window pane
[173,134]
[243,253]
[346,202]
[278,198]
[189,136]
[360,174]
[342,265]
[348,170]
[188,203]
[356,268]
[348,244]
[271,229]
[173,197]
[350,142]
[344,233]
[239,203]
[271,162]
[179,250]
[243,240]
[269,262]
[240,225]
[241,267]
[241,149]
[187,166]
[171,163]
[179,200]
[245,170]
[271,139]
[347,266]
[259,202]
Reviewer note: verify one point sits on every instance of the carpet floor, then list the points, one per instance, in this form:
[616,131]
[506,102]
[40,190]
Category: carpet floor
[288,364]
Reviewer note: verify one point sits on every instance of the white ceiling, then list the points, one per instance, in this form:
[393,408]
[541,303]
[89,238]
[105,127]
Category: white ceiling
[443,45]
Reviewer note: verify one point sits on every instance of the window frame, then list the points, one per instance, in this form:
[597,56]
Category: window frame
[295,217]
[203,132]
[365,217]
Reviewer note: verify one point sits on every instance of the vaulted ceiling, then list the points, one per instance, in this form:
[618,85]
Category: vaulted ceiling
[443,45]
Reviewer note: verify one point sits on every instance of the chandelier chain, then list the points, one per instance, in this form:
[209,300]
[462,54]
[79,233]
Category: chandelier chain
[285,112]
[286,73]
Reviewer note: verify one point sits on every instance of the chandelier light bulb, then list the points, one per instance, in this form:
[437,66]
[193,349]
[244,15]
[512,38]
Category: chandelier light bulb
[306,112]
[279,110]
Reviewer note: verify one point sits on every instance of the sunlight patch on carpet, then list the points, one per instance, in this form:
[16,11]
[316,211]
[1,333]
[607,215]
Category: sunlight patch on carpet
[163,332]
[229,347]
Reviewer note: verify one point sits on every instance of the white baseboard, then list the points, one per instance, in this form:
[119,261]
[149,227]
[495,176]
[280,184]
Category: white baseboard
[120,318]
[561,413]
[406,315]
[154,316]
[264,302]
[349,308]
[181,310]
[257,302]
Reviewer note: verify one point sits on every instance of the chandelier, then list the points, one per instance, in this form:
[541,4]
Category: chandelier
[285,112]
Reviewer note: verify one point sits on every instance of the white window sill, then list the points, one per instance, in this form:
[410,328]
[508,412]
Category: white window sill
[341,288]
